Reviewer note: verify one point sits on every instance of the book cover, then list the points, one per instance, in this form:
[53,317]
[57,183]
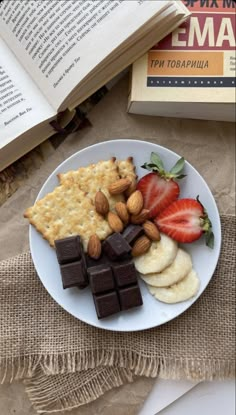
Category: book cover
[196,63]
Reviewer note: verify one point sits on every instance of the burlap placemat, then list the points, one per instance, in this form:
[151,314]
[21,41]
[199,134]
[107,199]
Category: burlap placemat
[67,363]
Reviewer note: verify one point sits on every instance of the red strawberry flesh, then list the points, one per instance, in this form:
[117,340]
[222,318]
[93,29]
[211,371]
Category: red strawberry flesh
[183,220]
[157,192]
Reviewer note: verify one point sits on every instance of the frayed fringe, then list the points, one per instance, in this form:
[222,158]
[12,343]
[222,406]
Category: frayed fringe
[92,373]
[16,368]
[171,368]
[39,390]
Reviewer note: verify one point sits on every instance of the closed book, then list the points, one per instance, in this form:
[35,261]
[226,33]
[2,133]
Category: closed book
[190,73]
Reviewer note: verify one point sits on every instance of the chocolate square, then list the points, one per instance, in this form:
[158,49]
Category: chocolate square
[124,273]
[106,304]
[74,274]
[132,233]
[91,262]
[130,297]
[68,249]
[101,278]
[115,246]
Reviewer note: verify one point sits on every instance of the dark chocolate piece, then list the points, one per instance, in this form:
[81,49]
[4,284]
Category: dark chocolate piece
[68,249]
[74,274]
[101,278]
[124,273]
[91,262]
[132,233]
[115,246]
[106,304]
[130,297]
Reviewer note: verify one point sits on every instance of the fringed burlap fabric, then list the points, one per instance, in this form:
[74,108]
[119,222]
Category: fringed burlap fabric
[67,363]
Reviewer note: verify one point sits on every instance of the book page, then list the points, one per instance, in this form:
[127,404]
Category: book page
[59,42]
[103,74]
[22,105]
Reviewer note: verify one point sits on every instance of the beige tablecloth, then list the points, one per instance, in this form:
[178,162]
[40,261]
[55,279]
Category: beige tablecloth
[209,146]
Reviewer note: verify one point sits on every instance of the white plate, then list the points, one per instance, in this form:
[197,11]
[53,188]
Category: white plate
[152,313]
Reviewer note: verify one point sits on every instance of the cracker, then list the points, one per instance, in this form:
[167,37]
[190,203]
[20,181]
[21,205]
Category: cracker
[99,176]
[126,168]
[94,177]
[69,209]
[65,212]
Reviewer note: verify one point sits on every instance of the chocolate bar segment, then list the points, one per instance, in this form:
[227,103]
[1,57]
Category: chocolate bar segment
[91,262]
[112,277]
[124,273]
[130,297]
[68,249]
[101,278]
[106,304]
[132,233]
[74,274]
[116,247]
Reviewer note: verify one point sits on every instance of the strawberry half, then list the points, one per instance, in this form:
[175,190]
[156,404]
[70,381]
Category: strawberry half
[185,220]
[159,188]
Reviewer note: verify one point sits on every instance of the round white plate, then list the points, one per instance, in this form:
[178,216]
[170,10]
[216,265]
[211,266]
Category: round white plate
[152,313]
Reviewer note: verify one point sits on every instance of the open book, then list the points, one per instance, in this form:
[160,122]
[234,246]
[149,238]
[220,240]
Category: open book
[54,54]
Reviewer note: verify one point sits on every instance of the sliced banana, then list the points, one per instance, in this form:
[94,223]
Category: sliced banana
[183,290]
[160,255]
[174,273]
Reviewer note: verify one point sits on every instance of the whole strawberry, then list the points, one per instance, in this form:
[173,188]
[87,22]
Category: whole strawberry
[185,220]
[159,188]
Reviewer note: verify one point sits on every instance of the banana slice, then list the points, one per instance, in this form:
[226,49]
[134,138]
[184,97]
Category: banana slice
[181,291]
[174,273]
[160,255]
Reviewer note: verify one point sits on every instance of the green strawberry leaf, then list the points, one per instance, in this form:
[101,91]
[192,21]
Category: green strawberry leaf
[155,159]
[210,239]
[180,176]
[178,167]
[151,167]
[207,227]
[147,167]
[156,165]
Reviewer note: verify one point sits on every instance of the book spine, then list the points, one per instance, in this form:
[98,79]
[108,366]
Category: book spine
[201,52]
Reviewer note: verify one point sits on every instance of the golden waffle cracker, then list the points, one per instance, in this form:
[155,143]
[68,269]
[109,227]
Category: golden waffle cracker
[65,212]
[126,168]
[99,176]
[94,177]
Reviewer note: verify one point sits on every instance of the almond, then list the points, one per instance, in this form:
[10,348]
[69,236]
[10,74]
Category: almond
[115,222]
[119,186]
[94,247]
[151,231]
[131,189]
[135,202]
[140,218]
[141,246]
[122,212]
[101,203]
